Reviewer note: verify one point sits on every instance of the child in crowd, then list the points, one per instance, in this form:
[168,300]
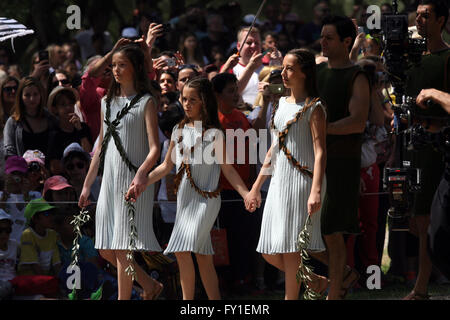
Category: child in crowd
[37,172]
[16,194]
[198,196]
[39,253]
[8,255]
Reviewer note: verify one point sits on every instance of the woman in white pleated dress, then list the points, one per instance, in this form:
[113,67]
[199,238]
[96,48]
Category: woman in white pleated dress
[297,166]
[197,183]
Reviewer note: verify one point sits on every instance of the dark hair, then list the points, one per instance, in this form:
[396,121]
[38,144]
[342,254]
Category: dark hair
[169,118]
[170,73]
[141,81]
[172,96]
[210,68]
[18,110]
[198,51]
[167,53]
[440,8]
[66,93]
[344,27]
[307,63]
[2,85]
[220,81]
[209,113]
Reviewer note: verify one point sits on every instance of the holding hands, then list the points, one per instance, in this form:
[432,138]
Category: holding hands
[252,200]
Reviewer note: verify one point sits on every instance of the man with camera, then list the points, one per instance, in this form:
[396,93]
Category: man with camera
[439,231]
[431,72]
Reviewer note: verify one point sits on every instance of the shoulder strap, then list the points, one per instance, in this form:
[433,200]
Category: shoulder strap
[111,132]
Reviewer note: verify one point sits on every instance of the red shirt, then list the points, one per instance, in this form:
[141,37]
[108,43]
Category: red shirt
[90,102]
[236,120]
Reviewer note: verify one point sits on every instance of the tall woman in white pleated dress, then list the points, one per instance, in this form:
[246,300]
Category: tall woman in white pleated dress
[197,148]
[128,149]
[298,157]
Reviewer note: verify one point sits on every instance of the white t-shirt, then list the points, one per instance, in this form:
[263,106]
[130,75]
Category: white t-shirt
[251,90]
[8,260]
[18,214]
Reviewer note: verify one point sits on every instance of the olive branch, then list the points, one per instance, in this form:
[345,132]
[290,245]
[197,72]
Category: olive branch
[305,271]
[77,222]
[131,211]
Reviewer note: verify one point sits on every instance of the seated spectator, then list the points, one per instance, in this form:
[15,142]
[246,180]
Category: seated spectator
[16,193]
[88,256]
[37,172]
[270,42]
[56,55]
[191,50]
[76,164]
[8,255]
[291,26]
[167,81]
[211,70]
[8,91]
[70,129]
[39,254]
[169,99]
[71,68]
[60,193]
[41,70]
[30,124]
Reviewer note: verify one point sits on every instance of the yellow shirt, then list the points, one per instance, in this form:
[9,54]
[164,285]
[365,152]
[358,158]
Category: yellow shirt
[35,249]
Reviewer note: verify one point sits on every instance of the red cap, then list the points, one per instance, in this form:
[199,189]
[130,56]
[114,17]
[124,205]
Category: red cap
[55,183]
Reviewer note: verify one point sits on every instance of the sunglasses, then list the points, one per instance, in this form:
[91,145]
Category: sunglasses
[62,82]
[79,165]
[10,89]
[7,230]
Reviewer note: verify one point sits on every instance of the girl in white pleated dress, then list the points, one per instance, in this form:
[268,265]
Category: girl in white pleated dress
[197,148]
[129,149]
[297,185]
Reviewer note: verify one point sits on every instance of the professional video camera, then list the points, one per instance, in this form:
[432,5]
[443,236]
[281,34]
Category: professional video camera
[401,52]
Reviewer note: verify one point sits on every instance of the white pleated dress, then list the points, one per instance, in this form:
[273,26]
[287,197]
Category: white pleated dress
[111,221]
[285,211]
[195,215]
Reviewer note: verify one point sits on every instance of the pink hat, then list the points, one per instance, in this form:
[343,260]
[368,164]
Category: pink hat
[34,156]
[16,163]
[55,183]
